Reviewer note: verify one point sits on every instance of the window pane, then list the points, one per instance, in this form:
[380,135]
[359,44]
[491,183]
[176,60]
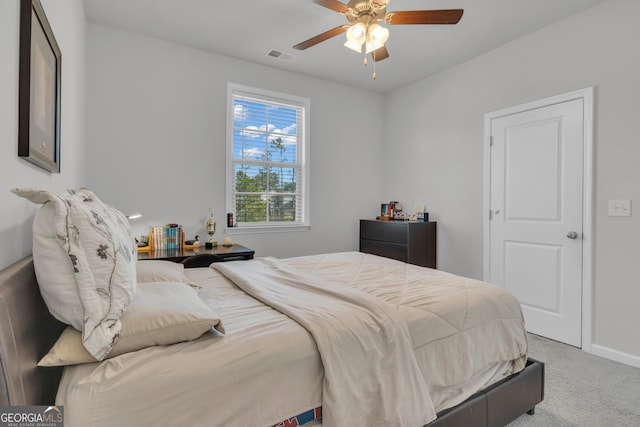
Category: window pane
[284,119]
[281,149]
[282,208]
[249,145]
[251,208]
[282,180]
[239,113]
[255,123]
[283,133]
[290,144]
[253,113]
[251,178]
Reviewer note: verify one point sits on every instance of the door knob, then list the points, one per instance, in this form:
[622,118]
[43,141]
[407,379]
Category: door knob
[572,235]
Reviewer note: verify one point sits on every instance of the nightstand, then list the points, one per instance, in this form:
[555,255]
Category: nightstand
[407,241]
[226,253]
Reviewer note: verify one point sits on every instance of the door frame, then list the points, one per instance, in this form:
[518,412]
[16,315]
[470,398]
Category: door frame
[587,95]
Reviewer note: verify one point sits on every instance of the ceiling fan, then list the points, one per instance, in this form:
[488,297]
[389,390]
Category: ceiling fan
[363,30]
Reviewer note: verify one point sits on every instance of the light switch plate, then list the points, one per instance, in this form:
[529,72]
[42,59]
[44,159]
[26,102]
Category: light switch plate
[619,207]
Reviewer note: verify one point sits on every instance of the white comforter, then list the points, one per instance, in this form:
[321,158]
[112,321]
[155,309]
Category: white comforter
[267,367]
[459,326]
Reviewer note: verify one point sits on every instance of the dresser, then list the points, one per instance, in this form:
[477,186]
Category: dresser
[412,242]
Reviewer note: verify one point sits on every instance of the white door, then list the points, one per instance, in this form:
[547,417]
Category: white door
[536,215]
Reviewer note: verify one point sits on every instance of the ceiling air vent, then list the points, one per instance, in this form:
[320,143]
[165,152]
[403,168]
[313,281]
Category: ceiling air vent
[283,56]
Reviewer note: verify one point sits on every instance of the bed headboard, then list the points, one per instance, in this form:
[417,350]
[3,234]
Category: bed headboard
[27,332]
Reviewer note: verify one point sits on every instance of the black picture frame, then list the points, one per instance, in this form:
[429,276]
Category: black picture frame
[39,89]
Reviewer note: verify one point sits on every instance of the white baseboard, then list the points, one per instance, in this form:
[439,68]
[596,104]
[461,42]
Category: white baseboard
[615,355]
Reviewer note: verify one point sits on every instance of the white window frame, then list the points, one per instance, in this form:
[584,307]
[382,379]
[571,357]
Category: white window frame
[302,162]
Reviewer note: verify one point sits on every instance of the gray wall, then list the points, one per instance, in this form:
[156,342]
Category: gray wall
[16,214]
[156,140]
[155,132]
[436,126]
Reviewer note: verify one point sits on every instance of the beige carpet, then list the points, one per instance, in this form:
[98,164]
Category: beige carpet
[583,390]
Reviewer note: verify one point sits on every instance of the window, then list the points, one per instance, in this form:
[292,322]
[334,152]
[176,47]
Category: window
[267,160]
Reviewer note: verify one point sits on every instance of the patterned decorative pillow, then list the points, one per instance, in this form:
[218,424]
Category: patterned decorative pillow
[84,255]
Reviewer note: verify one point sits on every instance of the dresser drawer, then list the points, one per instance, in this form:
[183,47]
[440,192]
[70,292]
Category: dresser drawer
[385,231]
[385,249]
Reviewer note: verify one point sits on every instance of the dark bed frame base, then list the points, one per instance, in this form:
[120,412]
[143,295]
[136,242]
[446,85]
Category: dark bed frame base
[27,332]
[500,403]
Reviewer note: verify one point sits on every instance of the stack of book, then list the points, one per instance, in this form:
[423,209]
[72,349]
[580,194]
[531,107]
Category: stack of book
[167,237]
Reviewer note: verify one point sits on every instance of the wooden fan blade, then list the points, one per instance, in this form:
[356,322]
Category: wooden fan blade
[380,54]
[407,17]
[321,37]
[333,5]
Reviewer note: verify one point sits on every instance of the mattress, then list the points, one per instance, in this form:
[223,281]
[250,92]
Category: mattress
[465,333]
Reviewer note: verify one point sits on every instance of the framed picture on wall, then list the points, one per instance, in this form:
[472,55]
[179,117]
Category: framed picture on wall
[39,89]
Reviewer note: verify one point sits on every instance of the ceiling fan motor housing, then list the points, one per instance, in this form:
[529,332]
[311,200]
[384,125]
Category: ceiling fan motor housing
[366,12]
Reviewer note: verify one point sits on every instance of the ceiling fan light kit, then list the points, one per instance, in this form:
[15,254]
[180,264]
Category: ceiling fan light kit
[373,37]
[364,29]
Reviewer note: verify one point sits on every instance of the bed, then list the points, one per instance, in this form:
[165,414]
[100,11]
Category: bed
[223,379]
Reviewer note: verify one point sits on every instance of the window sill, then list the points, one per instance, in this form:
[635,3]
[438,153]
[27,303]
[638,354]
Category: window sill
[247,229]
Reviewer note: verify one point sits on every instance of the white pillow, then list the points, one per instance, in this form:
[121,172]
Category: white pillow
[161,313]
[162,271]
[84,255]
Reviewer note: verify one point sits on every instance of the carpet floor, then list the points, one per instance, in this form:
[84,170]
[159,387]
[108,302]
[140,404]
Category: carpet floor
[582,390]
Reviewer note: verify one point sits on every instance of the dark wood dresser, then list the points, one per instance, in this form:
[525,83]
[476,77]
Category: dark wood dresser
[412,242]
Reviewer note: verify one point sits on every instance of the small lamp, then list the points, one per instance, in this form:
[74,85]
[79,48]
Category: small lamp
[143,242]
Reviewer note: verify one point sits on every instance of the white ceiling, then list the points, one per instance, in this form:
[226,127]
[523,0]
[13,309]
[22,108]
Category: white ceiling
[248,29]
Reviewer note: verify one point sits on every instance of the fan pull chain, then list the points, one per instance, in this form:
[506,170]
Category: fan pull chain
[374,64]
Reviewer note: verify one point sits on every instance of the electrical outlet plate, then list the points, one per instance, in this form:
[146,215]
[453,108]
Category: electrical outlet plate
[619,207]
